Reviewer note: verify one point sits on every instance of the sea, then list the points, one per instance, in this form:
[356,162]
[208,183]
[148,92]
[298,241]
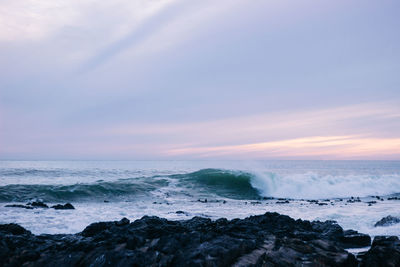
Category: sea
[356,194]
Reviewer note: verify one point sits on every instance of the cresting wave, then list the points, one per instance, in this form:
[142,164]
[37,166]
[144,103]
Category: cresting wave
[226,183]
[96,191]
[232,184]
[251,185]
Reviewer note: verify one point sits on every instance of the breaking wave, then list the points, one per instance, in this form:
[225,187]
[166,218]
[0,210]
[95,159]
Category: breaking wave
[221,182]
[95,191]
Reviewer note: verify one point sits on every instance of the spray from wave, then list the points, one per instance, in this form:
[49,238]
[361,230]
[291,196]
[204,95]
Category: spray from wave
[227,183]
[316,186]
[252,185]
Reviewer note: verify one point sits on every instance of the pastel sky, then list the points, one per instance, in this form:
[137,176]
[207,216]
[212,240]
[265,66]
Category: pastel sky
[227,79]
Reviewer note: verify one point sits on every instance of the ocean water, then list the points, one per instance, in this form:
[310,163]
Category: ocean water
[110,190]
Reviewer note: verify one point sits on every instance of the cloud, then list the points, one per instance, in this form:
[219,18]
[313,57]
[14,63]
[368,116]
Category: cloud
[37,20]
[316,147]
[356,131]
[124,79]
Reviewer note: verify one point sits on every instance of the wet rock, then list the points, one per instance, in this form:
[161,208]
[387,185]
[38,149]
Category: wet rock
[355,239]
[353,200]
[268,198]
[13,228]
[264,240]
[18,206]
[388,220]
[67,206]
[95,228]
[123,221]
[37,204]
[282,202]
[385,251]
[295,252]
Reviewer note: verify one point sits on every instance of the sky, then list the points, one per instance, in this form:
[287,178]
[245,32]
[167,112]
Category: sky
[174,79]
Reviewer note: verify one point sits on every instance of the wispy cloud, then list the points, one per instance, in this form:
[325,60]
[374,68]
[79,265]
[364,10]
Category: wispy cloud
[349,119]
[320,147]
[173,78]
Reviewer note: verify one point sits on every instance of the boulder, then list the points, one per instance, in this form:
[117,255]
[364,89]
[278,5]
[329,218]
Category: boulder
[67,206]
[385,251]
[388,220]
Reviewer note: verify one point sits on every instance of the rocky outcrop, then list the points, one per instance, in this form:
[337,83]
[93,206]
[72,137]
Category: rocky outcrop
[67,206]
[266,240]
[388,220]
[385,251]
[40,204]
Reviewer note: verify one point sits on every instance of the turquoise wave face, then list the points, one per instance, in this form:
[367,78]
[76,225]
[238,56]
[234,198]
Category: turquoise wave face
[225,183]
[208,183]
[205,182]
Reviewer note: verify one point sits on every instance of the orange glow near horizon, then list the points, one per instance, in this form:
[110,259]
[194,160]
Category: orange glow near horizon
[324,146]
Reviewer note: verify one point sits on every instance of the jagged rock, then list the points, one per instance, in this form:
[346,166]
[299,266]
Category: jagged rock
[14,229]
[385,251]
[355,239]
[67,206]
[388,220]
[37,204]
[265,240]
[123,221]
[18,206]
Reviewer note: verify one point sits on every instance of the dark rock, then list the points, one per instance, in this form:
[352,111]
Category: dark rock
[95,228]
[353,200]
[37,204]
[67,206]
[123,221]
[385,251]
[355,239]
[14,229]
[268,198]
[265,240]
[18,206]
[388,220]
[282,202]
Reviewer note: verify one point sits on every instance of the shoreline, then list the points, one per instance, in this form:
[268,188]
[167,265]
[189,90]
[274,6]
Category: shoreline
[259,240]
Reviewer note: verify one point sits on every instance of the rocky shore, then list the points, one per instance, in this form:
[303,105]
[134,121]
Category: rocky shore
[265,240]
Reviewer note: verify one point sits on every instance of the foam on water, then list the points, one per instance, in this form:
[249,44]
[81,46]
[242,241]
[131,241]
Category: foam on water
[232,189]
[316,186]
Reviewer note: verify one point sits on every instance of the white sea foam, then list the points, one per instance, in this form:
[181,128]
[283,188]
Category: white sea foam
[186,180]
[315,186]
